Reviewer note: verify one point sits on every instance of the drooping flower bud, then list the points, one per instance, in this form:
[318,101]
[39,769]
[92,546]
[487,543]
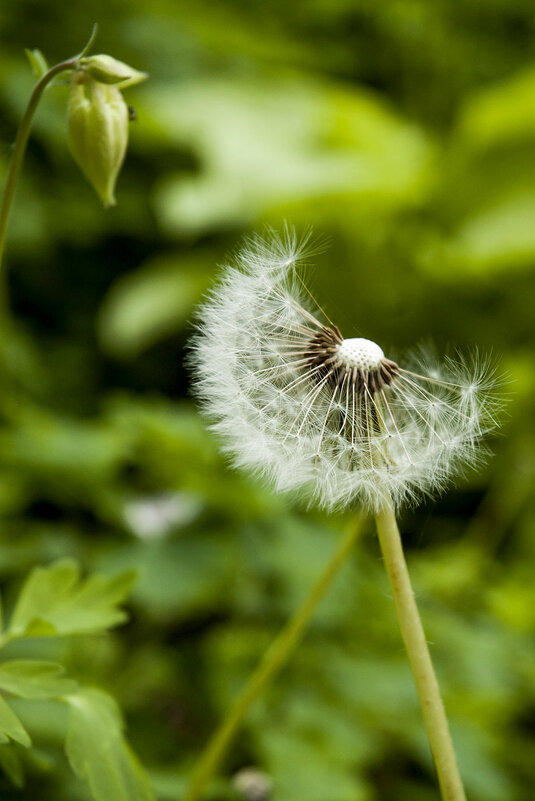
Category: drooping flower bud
[97,132]
[106,69]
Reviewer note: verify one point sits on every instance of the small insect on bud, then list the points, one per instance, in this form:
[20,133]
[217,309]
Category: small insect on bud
[106,69]
[98,132]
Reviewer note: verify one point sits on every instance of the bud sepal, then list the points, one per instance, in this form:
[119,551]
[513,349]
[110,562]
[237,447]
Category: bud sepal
[108,70]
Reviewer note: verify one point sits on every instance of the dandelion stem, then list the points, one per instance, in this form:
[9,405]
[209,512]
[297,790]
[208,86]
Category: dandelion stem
[273,660]
[419,658]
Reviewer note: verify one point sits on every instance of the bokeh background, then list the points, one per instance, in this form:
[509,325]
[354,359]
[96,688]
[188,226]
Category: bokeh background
[404,133]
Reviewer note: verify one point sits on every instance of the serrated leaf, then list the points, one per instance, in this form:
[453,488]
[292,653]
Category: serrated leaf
[37,62]
[11,727]
[98,752]
[30,678]
[11,764]
[40,628]
[54,601]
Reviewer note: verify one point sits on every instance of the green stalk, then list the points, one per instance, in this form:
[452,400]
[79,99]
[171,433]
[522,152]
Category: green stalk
[419,658]
[270,664]
[23,133]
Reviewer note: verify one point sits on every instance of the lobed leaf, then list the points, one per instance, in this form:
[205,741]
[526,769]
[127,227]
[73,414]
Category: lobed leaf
[10,726]
[30,678]
[98,752]
[53,601]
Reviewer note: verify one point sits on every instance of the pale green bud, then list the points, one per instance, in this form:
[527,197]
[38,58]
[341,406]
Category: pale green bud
[98,132]
[106,69]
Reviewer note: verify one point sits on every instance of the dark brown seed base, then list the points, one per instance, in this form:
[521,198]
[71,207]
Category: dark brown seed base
[322,351]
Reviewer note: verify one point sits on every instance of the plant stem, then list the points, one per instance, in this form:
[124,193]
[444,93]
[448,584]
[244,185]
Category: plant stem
[23,133]
[270,664]
[19,148]
[419,658]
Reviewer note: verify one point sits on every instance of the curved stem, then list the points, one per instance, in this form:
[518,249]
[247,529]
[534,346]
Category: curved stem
[272,661]
[419,658]
[20,147]
[23,133]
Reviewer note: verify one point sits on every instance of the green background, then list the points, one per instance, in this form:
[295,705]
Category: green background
[404,134]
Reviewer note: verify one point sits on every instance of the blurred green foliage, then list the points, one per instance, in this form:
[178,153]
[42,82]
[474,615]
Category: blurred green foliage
[404,133]
[54,603]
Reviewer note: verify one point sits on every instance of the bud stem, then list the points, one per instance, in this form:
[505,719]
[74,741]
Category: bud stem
[271,663]
[419,658]
[23,133]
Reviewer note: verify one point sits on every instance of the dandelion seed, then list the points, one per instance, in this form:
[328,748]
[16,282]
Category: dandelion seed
[295,400]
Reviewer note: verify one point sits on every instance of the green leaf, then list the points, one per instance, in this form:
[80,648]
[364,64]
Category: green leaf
[63,454]
[55,602]
[151,303]
[98,752]
[503,113]
[11,764]
[497,238]
[271,143]
[11,727]
[30,678]
[37,61]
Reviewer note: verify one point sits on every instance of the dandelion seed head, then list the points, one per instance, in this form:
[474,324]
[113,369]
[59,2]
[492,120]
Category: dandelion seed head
[360,353]
[330,417]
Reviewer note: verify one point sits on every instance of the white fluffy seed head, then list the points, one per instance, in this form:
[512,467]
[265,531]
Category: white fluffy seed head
[360,353]
[330,418]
